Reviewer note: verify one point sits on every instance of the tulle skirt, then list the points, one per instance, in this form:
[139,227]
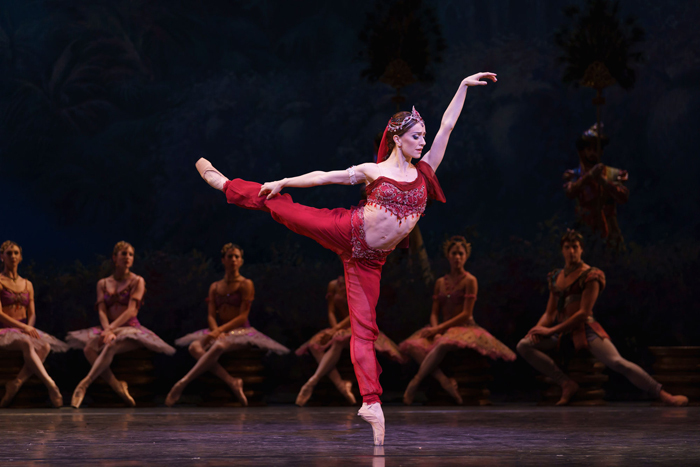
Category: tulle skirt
[241,336]
[11,335]
[472,337]
[383,344]
[132,331]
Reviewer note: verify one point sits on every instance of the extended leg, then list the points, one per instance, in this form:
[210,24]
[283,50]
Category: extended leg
[430,366]
[534,355]
[605,351]
[91,355]
[102,363]
[34,364]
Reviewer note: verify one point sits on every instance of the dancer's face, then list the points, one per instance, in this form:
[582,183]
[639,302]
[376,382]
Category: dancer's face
[590,155]
[124,258]
[572,252]
[12,257]
[232,260]
[413,141]
[457,256]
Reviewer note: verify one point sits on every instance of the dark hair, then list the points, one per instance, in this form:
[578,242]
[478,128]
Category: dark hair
[456,240]
[230,246]
[584,142]
[571,236]
[397,118]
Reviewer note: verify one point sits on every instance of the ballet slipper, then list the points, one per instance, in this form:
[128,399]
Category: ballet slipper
[174,394]
[11,389]
[78,395]
[673,401]
[237,388]
[56,396]
[123,390]
[568,389]
[213,177]
[410,392]
[452,389]
[374,415]
[305,394]
[345,389]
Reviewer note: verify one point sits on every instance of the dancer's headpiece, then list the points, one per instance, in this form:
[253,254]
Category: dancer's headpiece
[395,127]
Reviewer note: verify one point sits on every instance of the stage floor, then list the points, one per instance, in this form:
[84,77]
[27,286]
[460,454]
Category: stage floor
[623,434]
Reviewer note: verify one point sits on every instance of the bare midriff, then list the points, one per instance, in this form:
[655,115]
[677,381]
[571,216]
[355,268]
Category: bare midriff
[115,311]
[16,311]
[383,230]
[226,313]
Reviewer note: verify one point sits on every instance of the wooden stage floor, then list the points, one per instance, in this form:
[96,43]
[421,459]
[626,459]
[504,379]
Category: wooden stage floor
[621,434]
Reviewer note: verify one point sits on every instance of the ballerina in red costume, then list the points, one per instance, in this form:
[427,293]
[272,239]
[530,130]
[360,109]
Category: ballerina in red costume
[397,193]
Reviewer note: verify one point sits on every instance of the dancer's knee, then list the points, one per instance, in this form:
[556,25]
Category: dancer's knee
[524,346]
[195,349]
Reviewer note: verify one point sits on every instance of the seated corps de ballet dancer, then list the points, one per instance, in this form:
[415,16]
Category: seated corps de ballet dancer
[119,298]
[573,291]
[328,345]
[17,331]
[228,308]
[397,192]
[454,298]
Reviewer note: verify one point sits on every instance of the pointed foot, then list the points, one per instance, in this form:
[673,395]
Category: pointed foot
[568,389]
[174,394]
[11,389]
[374,415]
[305,394]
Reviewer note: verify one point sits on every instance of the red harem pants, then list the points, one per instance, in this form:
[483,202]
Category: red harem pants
[332,228]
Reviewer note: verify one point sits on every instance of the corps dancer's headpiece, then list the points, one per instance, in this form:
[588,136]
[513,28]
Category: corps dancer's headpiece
[395,127]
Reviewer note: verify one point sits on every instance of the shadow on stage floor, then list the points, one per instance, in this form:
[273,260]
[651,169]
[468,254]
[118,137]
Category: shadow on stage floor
[621,434]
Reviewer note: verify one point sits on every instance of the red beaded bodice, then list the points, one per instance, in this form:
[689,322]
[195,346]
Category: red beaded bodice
[402,199]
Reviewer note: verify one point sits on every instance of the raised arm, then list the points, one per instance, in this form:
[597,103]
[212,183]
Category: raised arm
[449,118]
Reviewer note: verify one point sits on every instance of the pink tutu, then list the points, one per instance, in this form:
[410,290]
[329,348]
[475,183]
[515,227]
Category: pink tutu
[132,330]
[241,336]
[382,345]
[473,337]
[11,335]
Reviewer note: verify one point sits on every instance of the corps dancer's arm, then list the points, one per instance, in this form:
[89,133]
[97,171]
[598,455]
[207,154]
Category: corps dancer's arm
[132,310]
[211,308]
[363,173]
[542,328]
[332,320]
[101,307]
[588,299]
[435,311]
[31,310]
[449,118]
[242,318]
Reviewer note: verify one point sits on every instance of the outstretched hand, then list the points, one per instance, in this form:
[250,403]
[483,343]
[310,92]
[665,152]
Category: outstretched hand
[271,188]
[475,79]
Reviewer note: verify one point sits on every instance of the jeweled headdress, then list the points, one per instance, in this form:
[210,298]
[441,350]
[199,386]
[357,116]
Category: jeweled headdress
[395,127]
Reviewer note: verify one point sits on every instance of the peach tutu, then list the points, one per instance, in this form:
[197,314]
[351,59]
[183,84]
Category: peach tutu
[382,345]
[473,337]
[11,335]
[133,330]
[241,336]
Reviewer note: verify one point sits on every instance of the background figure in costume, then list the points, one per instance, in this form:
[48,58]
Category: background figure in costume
[397,192]
[228,308]
[327,345]
[573,291]
[119,298]
[17,331]
[452,324]
[597,189]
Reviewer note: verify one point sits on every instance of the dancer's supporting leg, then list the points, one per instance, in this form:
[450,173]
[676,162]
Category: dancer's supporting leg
[102,363]
[326,366]
[534,354]
[208,361]
[33,364]
[429,366]
[605,351]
